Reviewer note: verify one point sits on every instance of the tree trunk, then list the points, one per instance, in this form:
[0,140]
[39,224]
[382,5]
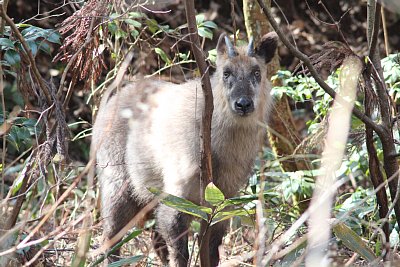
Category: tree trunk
[282,133]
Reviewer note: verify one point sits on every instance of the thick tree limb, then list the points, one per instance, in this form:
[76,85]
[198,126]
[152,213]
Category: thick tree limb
[207,92]
[374,167]
[206,167]
[390,163]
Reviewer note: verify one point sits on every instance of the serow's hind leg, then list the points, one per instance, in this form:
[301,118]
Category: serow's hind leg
[173,227]
[159,245]
[118,208]
[217,232]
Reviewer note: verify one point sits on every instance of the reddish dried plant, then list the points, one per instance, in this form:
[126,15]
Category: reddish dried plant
[329,59]
[81,44]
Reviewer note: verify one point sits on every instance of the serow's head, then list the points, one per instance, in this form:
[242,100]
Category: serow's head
[242,71]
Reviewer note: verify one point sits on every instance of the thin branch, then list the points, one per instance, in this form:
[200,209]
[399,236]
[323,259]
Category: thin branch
[374,63]
[365,119]
[55,205]
[28,51]
[234,20]
[336,23]
[373,38]
[3,23]
[385,32]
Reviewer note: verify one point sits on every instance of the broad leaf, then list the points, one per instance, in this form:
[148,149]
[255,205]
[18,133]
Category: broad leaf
[134,23]
[6,42]
[182,204]
[353,241]
[225,215]
[213,195]
[163,55]
[12,57]
[205,32]
[53,37]
[33,47]
[210,24]
[125,262]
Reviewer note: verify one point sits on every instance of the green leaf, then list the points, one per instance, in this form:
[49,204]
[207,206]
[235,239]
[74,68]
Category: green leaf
[33,47]
[12,57]
[112,27]
[210,24]
[53,37]
[205,32]
[6,42]
[213,195]
[132,235]
[225,215]
[276,93]
[184,56]
[163,55]
[32,33]
[136,15]
[212,55]
[125,262]
[23,25]
[120,34]
[29,122]
[17,184]
[294,255]
[45,47]
[182,204]
[134,33]
[153,25]
[134,23]
[353,241]
[200,18]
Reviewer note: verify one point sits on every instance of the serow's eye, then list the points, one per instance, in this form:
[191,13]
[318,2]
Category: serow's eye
[226,74]
[257,73]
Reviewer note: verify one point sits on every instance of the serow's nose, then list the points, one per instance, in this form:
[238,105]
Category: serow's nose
[244,105]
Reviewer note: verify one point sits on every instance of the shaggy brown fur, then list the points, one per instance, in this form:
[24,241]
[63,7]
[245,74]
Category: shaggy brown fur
[147,135]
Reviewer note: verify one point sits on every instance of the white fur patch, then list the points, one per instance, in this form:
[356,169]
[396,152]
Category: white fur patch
[126,113]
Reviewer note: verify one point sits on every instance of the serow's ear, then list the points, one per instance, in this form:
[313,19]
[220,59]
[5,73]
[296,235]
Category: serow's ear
[225,45]
[221,46]
[267,47]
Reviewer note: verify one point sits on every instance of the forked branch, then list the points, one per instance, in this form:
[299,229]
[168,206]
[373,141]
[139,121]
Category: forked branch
[305,59]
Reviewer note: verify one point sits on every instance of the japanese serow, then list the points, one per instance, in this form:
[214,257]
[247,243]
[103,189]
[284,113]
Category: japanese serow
[147,135]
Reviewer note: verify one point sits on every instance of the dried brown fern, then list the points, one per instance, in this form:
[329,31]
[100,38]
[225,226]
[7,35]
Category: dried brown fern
[82,41]
[329,59]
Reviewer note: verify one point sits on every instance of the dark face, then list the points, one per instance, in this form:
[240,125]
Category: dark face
[242,71]
[242,83]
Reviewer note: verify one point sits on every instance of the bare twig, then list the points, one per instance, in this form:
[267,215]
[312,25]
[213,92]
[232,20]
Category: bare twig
[3,152]
[385,32]
[13,216]
[234,20]
[336,23]
[3,22]
[55,205]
